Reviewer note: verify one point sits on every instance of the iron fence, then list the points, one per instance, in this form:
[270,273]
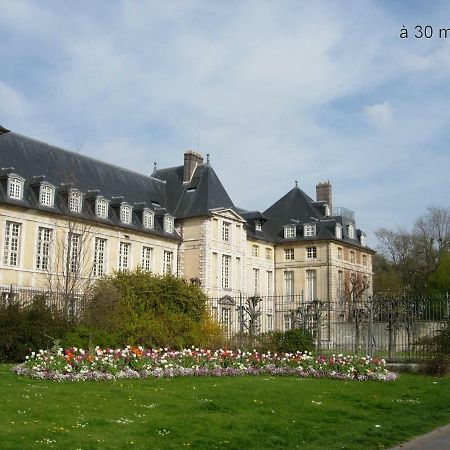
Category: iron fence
[390,327]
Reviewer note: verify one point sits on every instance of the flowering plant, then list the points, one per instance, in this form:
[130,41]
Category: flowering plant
[139,362]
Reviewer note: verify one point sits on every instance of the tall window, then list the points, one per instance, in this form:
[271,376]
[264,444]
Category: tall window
[226,231]
[311,252]
[147,219]
[226,262]
[168,224]
[256,281]
[363,239]
[43,248]
[311,278]
[124,256]
[352,256]
[74,252]
[46,195]
[338,231]
[269,282]
[99,256]
[310,230]
[226,320]
[340,285]
[268,253]
[125,213]
[101,208]
[364,260]
[339,253]
[289,284]
[288,253]
[75,201]
[255,250]
[269,322]
[168,262]
[15,188]
[12,244]
[351,231]
[289,231]
[147,258]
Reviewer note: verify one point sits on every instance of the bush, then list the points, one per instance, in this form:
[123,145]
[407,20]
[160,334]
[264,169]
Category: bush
[439,347]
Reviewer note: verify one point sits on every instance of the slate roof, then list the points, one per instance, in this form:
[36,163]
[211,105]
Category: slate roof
[31,158]
[196,197]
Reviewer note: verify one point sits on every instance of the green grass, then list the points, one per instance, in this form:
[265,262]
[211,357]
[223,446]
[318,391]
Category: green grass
[224,413]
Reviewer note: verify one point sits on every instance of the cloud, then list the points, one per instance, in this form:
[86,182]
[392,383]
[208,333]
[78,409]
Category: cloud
[380,115]
[12,102]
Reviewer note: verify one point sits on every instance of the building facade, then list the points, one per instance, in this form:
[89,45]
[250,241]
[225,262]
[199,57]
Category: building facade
[67,220]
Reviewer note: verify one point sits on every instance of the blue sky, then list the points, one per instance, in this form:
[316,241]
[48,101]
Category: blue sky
[274,91]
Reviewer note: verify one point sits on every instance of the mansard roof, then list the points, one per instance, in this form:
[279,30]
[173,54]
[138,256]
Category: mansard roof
[31,158]
[197,197]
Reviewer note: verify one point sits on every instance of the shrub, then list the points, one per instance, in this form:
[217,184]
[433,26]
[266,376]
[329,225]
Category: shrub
[439,347]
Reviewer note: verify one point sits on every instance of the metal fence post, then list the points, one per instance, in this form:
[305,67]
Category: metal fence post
[370,328]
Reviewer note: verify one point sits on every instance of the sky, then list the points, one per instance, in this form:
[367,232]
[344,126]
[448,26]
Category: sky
[274,91]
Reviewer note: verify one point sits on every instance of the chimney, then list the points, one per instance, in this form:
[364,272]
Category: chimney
[323,193]
[191,161]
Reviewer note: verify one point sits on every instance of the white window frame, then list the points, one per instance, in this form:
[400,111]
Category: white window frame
[148,219]
[268,253]
[15,187]
[43,248]
[46,195]
[99,256]
[12,246]
[290,231]
[75,201]
[338,231]
[269,282]
[168,224]
[311,252]
[363,240]
[73,252]
[226,231]
[258,225]
[289,254]
[256,281]
[309,230]
[289,284]
[101,207]
[125,213]
[351,231]
[352,256]
[124,256]
[167,262]
[226,271]
[147,257]
[364,259]
[340,284]
[339,253]
[255,250]
[311,282]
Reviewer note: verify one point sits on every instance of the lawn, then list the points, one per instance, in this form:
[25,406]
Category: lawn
[224,413]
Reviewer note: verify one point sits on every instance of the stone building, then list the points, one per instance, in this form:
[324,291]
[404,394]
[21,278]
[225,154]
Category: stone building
[63,214]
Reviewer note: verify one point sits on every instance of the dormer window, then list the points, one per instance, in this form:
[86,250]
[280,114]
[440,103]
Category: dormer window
[327,210]
[309,230]
[351,231]
[15,187]
[125,213]
[147,218]
[75,201]
[289,231]
[46,195]
[363,239]
[101,208]
[338,231]
[168,224]
[258,225]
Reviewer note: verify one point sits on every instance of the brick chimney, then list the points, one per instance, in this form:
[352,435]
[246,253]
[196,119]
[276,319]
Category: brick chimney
[323,193]
[191,161]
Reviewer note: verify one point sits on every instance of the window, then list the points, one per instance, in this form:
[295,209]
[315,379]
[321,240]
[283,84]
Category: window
[363,239]
[101,208]
[168,224]
[43,248]
[226,231]
[12,244]
[167,263]
[226,320]
[99,256]
[311,279]
[15,188]
[311,252]
[310,230]
[258,225]
[226,262]
[351,231]
[147,258]
[289,284]
[255,250]
[364,260]
[124,256]
[256,281]
[352,257]
[289,231]
[73,253]
[339,253]
[288,322]
[125,213]
[338,231]
[268,253]
[147,218]
[75,201]
[288,253]
[269,322]
[269,282]
[46,195]
[340,285]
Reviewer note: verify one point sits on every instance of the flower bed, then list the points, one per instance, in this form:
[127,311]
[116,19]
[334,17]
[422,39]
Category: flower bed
[137,362]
